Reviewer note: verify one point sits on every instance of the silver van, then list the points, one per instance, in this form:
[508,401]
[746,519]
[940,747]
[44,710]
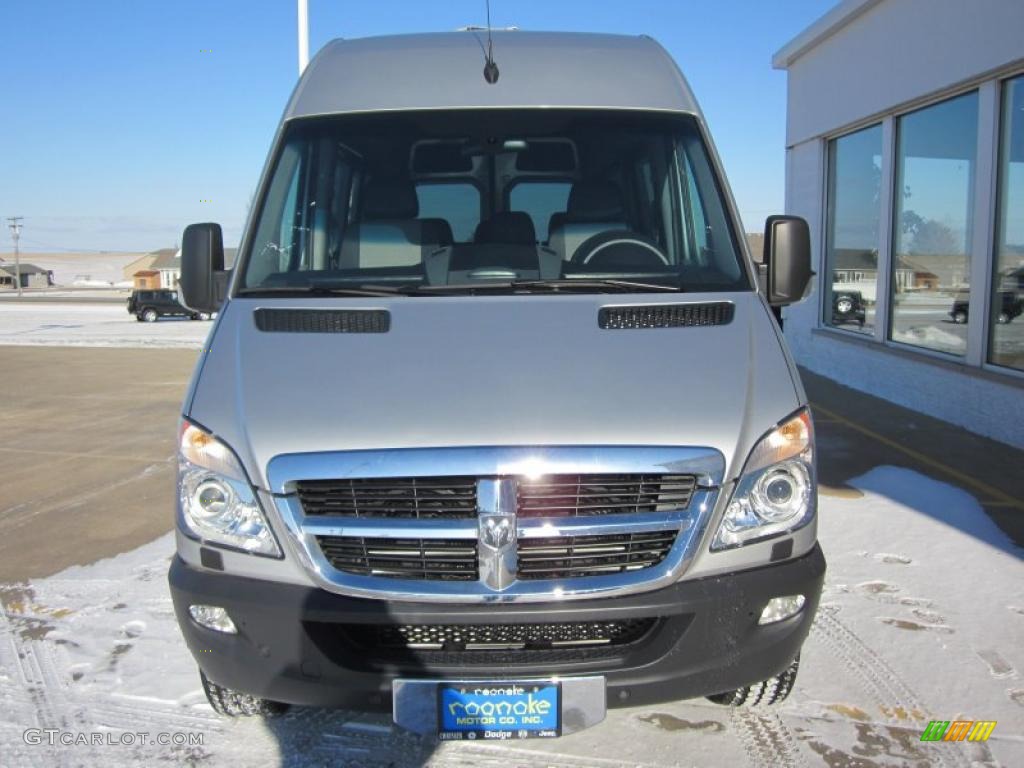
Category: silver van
[496,426]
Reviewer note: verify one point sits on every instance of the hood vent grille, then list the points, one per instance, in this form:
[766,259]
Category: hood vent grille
[665,315]
[323,320]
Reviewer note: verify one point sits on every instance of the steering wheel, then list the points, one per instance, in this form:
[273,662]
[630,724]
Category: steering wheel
[619,247]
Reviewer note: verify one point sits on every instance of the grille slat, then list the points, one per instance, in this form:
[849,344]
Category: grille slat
[399,497]
[576,556]
[568,495]
[423,559]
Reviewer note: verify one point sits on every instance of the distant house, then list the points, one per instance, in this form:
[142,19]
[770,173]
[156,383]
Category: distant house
[31,276]
[146,280]
[164,269]
[144,262]
[857,269]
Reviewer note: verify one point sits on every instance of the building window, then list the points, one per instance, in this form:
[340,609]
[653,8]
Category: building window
[935,166]
[851,250]
[1006,340]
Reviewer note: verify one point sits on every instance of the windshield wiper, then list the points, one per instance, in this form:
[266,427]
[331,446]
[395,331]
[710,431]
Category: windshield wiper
[566,285]
[623,286]
[561,285]
[322,290]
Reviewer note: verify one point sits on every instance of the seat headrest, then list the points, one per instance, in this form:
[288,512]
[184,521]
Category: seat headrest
[595,201]
[435,232]
[390,199]
[515,227]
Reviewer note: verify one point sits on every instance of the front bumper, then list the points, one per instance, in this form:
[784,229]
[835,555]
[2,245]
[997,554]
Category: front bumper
[292,645]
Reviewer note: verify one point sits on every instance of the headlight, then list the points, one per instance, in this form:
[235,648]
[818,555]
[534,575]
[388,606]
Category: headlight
[775,494]
[216,501]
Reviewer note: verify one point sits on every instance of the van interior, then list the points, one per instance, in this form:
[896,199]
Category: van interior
[464,198]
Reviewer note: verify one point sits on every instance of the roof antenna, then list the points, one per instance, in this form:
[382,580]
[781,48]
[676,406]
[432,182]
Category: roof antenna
[490,68]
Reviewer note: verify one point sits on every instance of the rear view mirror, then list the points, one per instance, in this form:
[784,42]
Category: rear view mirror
[787,259]
[203,279]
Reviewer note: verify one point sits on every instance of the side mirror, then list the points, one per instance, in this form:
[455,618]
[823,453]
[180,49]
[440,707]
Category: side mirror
[203,279]
[787,259]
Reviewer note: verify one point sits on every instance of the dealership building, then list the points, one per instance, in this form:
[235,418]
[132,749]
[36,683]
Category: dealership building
[905,153]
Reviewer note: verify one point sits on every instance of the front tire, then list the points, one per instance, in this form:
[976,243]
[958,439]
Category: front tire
[959,318]
[149,315]
[230,703]
[1004,318]
[774,690]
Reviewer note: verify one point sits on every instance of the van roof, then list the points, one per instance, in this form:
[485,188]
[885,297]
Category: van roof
[445,71]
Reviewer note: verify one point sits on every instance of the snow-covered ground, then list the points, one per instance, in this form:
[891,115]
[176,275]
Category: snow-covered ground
[93,325]
[922,618]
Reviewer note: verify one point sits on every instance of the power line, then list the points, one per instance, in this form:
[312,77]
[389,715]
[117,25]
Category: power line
[14,223]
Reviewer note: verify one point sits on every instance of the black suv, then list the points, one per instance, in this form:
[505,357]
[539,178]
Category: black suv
[848,307]
[149,305]
[1011,306]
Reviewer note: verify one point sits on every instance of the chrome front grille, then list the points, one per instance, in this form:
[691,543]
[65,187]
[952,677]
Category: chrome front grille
[606,494]
[413,497]
[522,524]
[564,557]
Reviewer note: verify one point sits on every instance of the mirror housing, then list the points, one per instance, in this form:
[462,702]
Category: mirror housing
[787,259]
[203,279]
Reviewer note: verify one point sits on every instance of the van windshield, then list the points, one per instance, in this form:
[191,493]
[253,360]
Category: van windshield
[428,203]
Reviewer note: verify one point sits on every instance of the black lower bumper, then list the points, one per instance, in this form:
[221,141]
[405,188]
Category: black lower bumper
[297,644]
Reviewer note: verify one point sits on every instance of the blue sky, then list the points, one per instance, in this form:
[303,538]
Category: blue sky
[120,119]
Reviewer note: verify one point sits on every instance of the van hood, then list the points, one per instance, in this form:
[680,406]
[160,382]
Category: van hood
[492,371]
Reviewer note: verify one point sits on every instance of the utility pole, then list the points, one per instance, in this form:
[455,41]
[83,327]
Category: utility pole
[303,35]
[14,222]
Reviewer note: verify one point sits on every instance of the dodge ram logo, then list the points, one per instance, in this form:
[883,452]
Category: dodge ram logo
[496,532]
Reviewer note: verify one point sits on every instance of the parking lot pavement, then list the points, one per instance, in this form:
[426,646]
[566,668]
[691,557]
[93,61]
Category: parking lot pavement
[87,441]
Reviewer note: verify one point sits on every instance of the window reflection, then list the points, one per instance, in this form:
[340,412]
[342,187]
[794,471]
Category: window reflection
[1007,330]
[854,178]
[936,154]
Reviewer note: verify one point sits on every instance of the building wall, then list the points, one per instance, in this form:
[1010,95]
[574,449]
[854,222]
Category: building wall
[898,51]
[146,281]
[895,56]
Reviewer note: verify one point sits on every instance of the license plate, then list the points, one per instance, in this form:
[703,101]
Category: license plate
[499,710]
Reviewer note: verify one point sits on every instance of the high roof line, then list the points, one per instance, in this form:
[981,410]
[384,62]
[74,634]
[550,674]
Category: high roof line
[538,69]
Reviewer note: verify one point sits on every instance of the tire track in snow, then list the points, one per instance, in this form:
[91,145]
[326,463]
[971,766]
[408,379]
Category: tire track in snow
[766,739]
[880,682]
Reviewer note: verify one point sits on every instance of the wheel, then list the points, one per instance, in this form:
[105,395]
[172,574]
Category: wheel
[1004,318]
[771,691]
[844,306]
[204,315]
[960,317]
[149,315]
[234,704]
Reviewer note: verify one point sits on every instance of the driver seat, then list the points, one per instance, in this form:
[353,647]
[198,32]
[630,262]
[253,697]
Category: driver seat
[594,206]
